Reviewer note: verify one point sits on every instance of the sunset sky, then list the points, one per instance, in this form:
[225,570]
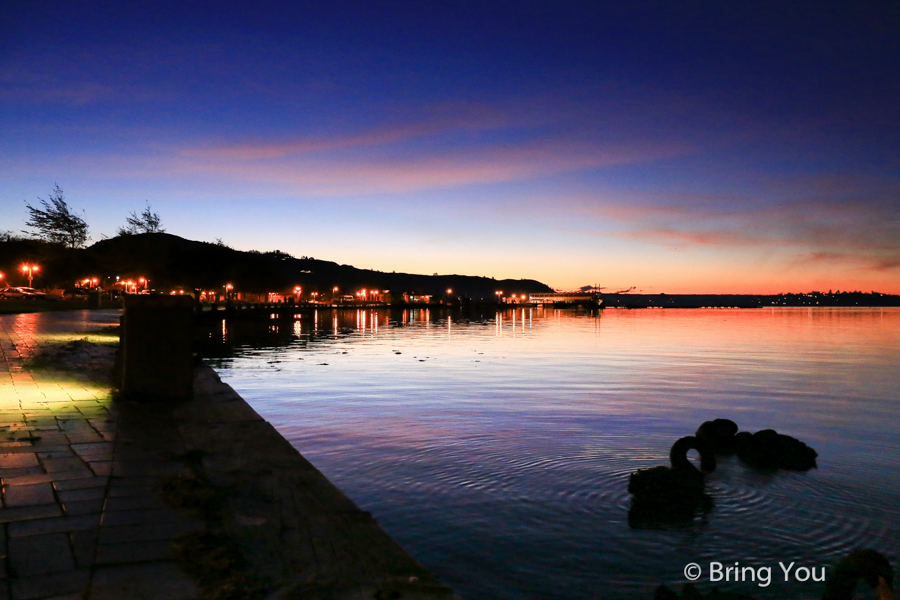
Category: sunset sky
[675,147]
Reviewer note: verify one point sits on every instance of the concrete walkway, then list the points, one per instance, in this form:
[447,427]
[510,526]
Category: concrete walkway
[82,514]
[69,529]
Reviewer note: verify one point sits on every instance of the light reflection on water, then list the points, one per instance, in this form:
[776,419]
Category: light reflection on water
[496,448]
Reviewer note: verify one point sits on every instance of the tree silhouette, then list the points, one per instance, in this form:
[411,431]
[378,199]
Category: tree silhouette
[146,222]
[56,223]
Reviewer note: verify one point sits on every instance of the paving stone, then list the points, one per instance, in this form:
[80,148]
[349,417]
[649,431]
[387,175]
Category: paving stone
[55,453]
[75,425]
[44,477]
[28,495]
[53,525]
[84,546]
[81,483]
[51,584]
[149,581]
[56,465]
[93,446]
[40,554]
[94,455]
[18,459]
[89,493]
[83,507]
[24,513]
[101,468]
[6,474]
[84,438]
[50,439]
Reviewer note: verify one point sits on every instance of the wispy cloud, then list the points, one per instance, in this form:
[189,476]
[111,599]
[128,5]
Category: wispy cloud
[849,221]
[435,147]
[374,173]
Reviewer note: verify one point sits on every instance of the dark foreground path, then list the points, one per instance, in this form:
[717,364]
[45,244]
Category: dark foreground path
[107,499]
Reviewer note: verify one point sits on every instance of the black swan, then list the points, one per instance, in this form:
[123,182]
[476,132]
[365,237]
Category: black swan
[718,435]
[868,565]
[768,449]
[682,482]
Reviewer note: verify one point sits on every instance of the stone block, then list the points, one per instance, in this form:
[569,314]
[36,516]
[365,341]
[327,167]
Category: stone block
[82,483]
[83,507]
[53,525]
[26,513]
[40,554]
[28,495]
[18,460]
[155,346]
[84,545]
[51,584]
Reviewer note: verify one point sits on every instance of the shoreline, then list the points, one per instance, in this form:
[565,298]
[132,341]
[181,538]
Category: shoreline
[119,499]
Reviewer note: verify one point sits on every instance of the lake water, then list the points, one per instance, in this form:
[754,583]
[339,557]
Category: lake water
[496,447]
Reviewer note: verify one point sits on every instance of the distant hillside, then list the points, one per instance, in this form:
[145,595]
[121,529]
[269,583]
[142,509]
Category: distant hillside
[170,261]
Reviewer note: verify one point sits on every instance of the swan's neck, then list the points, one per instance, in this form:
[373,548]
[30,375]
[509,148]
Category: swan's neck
[679,459]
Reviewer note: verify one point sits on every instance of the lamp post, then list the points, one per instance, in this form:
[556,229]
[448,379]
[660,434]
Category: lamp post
[30,269]
[334,294]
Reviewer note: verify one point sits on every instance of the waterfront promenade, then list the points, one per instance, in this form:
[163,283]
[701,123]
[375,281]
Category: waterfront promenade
[107,498]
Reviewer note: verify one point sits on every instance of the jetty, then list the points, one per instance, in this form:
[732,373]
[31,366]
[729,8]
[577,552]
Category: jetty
[110,498]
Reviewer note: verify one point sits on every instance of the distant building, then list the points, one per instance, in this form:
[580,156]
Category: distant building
[416,298]
[567,298]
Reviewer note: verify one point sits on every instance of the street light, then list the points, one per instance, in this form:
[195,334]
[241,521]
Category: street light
[30,269]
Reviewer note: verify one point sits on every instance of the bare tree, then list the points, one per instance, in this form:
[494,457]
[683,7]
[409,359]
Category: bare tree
[56,223]
[146,222]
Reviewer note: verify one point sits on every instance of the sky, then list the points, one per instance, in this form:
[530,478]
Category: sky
[678,147]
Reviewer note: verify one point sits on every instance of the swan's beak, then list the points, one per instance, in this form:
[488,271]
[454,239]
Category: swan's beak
[883,591]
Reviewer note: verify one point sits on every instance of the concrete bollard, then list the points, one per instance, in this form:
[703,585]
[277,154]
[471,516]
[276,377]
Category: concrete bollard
[95,299]
[155,345]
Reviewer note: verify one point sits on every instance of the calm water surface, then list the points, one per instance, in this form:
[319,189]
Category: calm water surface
[496,448]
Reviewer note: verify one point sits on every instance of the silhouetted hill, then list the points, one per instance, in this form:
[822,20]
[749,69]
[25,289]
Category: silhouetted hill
[170,261]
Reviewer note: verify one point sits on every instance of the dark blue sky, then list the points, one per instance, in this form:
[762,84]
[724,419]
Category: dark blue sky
[675,147]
